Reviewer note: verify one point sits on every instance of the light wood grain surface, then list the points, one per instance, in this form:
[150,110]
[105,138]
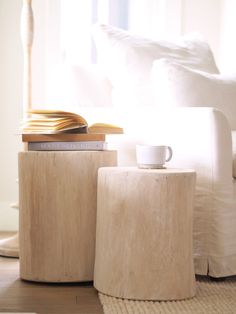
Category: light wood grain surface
[58,201]
[144,233]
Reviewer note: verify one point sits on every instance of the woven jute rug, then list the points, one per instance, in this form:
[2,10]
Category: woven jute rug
[218,297]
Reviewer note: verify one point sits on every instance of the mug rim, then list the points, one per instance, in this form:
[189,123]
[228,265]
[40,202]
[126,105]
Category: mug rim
[151,145]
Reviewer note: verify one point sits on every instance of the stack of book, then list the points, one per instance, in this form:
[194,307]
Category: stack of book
[54,130]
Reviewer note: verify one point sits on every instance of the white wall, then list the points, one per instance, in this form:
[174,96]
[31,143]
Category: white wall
[203,16]
[10,109]
[227,48]
[213,18]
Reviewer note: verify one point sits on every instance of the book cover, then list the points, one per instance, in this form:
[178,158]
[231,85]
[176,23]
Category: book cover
[63,137]
[61,146]
[104,128]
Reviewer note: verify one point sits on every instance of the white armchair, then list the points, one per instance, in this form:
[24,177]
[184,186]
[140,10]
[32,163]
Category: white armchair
[201,139]
[196,120]
[205,144]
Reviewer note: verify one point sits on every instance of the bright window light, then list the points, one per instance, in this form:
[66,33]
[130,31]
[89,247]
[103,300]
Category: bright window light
[76,21]
[77,17]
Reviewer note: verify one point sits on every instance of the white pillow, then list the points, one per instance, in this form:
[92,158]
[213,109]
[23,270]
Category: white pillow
[127,60]
[178,85]
[76,86]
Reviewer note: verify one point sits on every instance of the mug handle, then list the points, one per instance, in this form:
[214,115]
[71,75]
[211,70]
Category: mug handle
[170,153]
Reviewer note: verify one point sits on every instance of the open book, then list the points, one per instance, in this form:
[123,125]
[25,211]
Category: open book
[57,121]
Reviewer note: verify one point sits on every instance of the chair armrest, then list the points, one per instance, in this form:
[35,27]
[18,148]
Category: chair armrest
[200,137]
[203,141]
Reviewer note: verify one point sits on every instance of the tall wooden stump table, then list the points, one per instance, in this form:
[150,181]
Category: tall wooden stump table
[58,203]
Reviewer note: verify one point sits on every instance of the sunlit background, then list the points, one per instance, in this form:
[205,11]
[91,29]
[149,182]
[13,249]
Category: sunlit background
[62,37]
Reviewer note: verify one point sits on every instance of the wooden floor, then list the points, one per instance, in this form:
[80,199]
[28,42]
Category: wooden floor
[21,296]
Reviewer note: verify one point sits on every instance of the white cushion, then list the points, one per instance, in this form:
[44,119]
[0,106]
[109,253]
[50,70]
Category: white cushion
[76,86]
[178,85]
[127,60]
[89,86]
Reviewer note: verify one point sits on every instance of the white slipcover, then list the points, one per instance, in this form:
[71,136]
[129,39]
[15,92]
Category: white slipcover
[201,137]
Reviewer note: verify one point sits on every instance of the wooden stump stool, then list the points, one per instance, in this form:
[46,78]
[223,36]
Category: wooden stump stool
[144,233]
[58,202]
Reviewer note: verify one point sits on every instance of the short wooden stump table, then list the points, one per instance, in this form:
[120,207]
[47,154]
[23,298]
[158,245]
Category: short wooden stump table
[144,233]
[58,203]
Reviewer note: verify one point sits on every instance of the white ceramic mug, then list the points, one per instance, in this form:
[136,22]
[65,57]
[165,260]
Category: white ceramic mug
[153,156]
